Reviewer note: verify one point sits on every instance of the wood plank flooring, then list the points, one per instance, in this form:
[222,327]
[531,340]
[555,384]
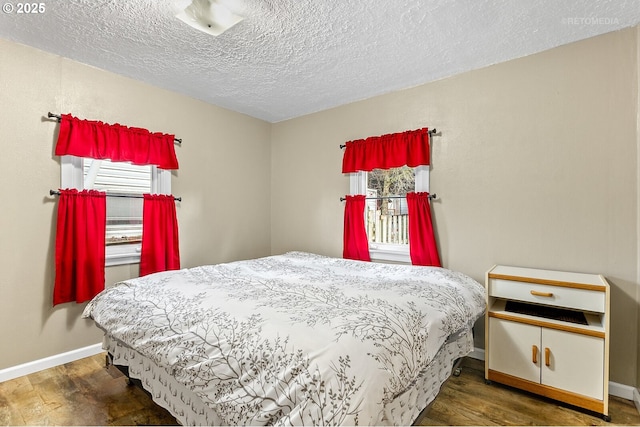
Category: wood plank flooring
[83,392]
[86,393]
[467,400]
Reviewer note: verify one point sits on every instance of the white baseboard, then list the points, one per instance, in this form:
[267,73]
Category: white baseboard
[621,390]
[477,353]
[49,362]
[615,389]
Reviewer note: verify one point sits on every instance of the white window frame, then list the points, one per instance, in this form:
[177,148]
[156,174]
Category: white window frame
[72,176]
[388,251]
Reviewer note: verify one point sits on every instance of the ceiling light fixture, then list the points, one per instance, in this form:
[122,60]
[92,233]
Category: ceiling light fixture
[209,16]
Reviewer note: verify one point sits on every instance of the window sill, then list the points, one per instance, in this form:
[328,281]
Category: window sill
[390,253]
[123,254]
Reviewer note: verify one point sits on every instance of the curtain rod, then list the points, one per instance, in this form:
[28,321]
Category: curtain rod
[128,196]
[431,197]
[430,132]
[59,117]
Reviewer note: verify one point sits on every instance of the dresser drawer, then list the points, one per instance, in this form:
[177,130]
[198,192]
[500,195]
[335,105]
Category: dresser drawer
[561,296]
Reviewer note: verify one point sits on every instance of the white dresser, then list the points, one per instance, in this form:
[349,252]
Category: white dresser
[547,332]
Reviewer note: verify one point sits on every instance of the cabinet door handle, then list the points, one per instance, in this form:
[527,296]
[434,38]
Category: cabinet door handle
[534,354]
[547,356]
[542,294]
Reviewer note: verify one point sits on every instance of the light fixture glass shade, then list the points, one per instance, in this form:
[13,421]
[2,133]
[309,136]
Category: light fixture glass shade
[209,16]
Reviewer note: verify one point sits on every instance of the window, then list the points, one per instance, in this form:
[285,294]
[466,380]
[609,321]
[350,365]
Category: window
[124,214]
[386,216]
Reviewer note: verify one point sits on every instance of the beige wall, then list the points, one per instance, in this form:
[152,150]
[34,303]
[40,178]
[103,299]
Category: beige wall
[218,221]
[537,165]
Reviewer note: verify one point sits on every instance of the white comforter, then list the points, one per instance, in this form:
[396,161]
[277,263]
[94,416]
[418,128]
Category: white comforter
[295,338]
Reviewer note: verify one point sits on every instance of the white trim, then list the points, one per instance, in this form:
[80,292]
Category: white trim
[621,390]
[477,353]
[123,254]
[389,252]
[49,362]
[71,172]
[358,183]
[160,180]
[422,178]
[615,389]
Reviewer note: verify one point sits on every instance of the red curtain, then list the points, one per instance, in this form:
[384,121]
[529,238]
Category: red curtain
[98,140]
[409,148]
[160,249]
[80,245]
[356,245]
[422,242]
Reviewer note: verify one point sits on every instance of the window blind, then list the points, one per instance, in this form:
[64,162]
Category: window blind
[124,215]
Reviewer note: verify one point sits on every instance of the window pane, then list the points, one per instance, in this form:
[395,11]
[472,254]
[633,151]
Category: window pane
[387,219]
[124,220]
[124,215]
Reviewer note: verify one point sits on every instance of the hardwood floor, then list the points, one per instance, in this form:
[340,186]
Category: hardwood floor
[86,393]
[83,392]
[467,400]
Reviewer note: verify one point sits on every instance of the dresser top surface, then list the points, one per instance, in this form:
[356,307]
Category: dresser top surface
[503,271]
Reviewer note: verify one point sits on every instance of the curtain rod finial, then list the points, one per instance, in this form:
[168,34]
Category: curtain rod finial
[54,116]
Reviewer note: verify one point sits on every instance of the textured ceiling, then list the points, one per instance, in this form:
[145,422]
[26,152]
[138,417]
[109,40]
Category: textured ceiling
[293,57]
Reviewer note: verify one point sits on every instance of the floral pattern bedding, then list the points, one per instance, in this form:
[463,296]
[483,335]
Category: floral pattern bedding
[294,339]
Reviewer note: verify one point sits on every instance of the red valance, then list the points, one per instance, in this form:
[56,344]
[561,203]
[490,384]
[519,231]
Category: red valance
[394,150]
[118,143]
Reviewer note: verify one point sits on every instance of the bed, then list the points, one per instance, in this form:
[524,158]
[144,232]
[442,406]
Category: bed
[291,339]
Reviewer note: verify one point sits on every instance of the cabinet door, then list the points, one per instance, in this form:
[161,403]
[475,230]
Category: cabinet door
[575,362]
[514,349]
